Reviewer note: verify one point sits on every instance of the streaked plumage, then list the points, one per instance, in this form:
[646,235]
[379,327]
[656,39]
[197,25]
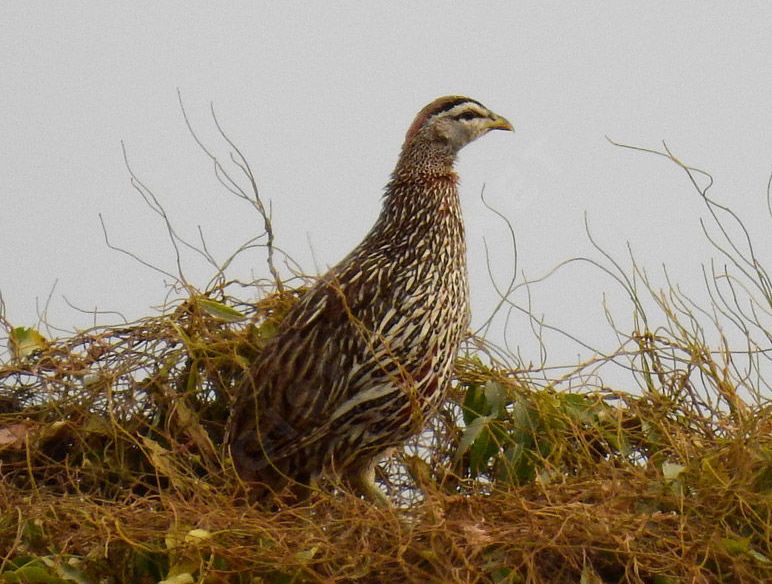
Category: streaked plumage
[366,355]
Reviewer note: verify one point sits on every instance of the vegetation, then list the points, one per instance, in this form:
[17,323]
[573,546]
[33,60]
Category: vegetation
[112,467]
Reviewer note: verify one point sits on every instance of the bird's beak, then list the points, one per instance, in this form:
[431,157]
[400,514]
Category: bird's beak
[500,123]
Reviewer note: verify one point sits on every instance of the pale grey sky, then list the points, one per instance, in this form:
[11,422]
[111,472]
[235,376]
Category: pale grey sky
[319,95]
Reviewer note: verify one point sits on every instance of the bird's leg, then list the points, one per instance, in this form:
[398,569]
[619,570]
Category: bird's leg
[362,482]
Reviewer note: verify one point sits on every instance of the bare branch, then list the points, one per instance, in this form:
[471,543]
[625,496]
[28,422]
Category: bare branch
[132,255]
[233,187]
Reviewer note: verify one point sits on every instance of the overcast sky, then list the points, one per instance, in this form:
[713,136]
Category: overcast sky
[319,96]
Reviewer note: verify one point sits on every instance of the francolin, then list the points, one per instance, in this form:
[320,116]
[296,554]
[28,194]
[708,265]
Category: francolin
[366,355]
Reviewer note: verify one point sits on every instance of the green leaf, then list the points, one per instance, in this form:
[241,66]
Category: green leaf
[496,565]
[474,405]
[197,536]
[482,451]
[184,578]
[514,467]
[159,457]
[617,439]
[478,441]
[523,423]
[32,533]
[495,397]
[736,546]
[267,330]
[505,576]
[32,573]
[759,557]
[306,556]
[742,545]
[24,341]
[578,407]
[671,471]
[471,433]
[219,310]
[67,570]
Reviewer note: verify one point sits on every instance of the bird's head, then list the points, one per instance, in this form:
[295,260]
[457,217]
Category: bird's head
[454,121]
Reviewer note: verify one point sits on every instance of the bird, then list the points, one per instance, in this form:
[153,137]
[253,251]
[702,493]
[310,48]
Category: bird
[365,357]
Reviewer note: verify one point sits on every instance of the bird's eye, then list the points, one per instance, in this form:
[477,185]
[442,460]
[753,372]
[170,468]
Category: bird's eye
[466,116]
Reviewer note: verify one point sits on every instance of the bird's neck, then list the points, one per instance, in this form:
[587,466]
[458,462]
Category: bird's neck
[423,184]
[421,211]
[422,160]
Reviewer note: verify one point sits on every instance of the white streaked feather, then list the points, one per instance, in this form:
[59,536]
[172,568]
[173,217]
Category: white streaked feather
[373,393]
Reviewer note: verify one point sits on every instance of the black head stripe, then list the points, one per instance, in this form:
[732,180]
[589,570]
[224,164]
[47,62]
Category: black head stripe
[456,102]
[467,115]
